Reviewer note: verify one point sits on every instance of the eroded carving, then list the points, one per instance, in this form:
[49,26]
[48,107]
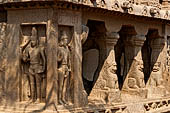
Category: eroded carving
[136,77]
[156,75]
[106,88]
[64,67]
[3,58]
[134,82]
[127,6]
[155,83]
[35,56]
[154,3]
[116,5]
[155,12]
[144,10]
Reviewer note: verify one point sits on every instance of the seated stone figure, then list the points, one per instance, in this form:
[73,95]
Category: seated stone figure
[136,76]
[111,78]
[156,75]
[106,88]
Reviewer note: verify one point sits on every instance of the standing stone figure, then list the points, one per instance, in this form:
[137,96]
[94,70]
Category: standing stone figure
[36,58]
[63,67]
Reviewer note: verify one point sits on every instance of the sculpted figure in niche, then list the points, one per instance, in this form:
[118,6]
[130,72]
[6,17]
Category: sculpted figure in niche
[156,75]
[112,80]
[24,68]
[106,88]
[37,62]
[63,67]
[109,79]
[136,77]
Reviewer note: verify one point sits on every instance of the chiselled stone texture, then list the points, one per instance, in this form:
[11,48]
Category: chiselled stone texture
[85,56]
[152,8]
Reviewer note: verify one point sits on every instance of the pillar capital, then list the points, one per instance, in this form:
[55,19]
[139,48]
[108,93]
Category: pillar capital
[139,40]
[112,38]
[135,40]
[157,43]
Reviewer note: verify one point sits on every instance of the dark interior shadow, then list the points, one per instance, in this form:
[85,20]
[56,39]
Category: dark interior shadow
[119,56]
[97,31]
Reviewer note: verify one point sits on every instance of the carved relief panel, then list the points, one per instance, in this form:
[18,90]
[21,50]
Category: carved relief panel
[33,62]
[3,56]
[64,61]
[106,89]
[156,77]
[155,84]
[70,26]
[150,2]
[130,69]
[134,82]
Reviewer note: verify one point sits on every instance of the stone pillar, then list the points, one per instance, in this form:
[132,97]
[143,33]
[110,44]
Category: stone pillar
[52,75]
[133,73]
[12,64]
[155,82]
[106,88]
[111,40]
[2,60]
[101,42]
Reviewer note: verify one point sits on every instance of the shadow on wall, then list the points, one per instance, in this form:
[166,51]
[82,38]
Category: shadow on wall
[94,47]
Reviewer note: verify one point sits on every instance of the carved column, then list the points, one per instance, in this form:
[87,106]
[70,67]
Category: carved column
[106,88]
[133,73]
[101,42]
[105,46]
[111,40]
[52,44]
[155,82]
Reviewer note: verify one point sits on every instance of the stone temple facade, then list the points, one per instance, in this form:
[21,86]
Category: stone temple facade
[85,56]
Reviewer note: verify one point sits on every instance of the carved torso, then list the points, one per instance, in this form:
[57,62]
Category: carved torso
[35,60]
[34,54]
[64,60]
[63,55]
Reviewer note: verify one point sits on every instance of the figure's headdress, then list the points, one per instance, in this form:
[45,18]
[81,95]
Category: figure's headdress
[34,34]
[64,35]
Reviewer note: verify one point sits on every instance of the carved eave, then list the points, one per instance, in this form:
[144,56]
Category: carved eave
[39,4]
[162,17]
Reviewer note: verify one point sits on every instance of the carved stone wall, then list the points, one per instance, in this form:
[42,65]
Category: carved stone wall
[84,61]
[134,81]
[3,58]
[106,88]
[155,83]
[28,87]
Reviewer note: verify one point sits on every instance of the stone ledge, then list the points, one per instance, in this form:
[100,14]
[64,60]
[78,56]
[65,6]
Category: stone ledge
[118,6]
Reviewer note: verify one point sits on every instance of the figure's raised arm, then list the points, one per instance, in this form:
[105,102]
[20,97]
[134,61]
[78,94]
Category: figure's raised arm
[84,35]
